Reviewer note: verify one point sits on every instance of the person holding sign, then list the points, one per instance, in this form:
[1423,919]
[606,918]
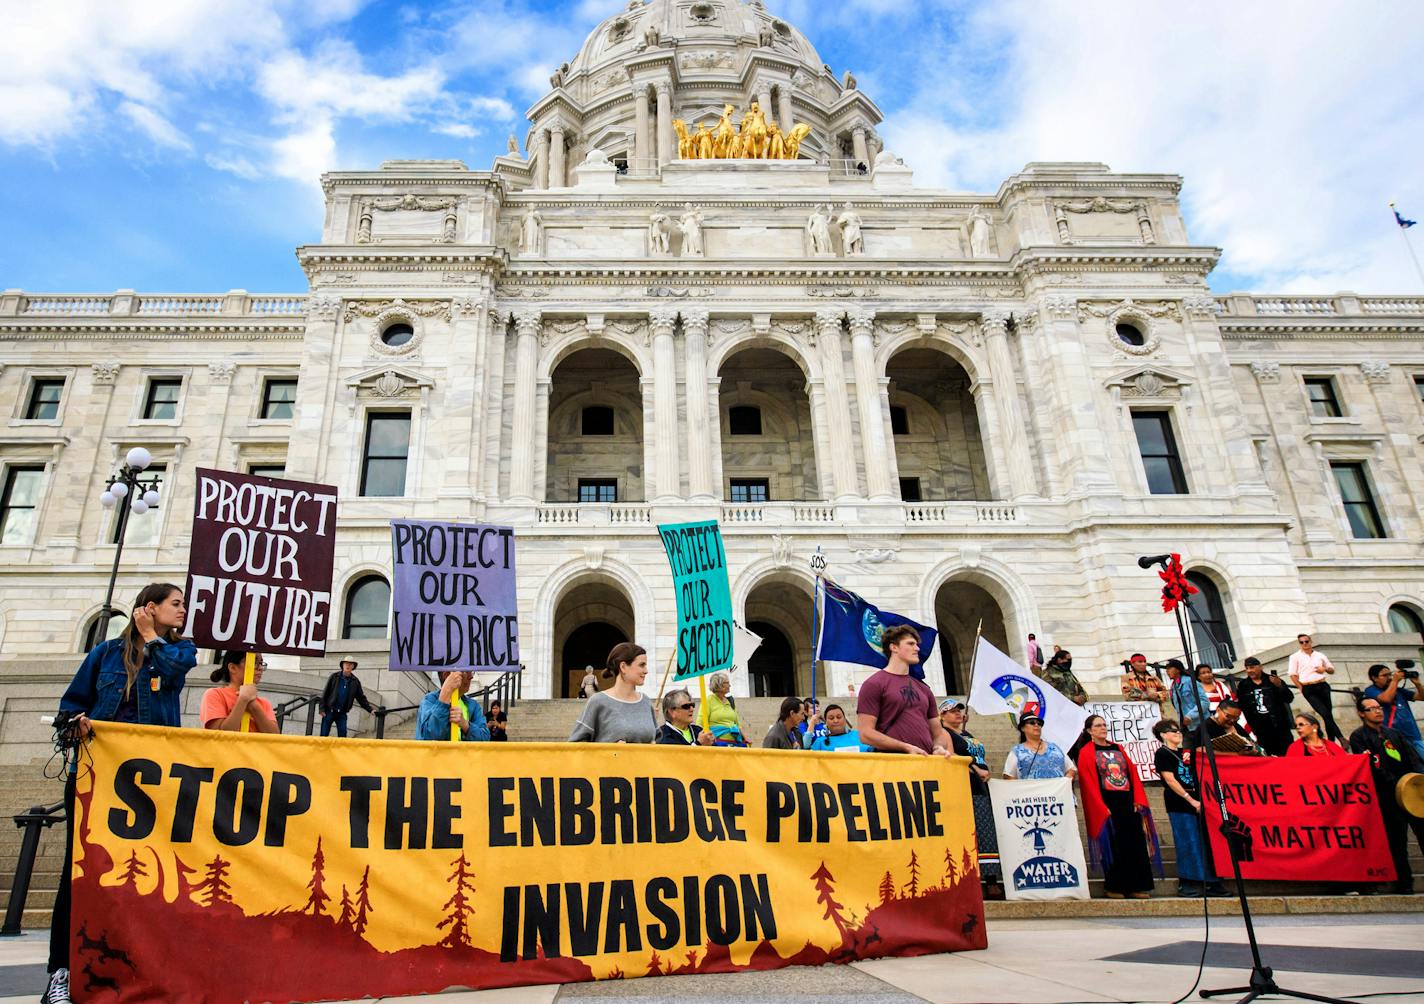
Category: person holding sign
[678,727]
[445,715]
[620,714]
[136,678]
[223,707]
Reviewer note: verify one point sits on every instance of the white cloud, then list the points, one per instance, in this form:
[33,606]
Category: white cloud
[154,125]
[459,130]
[233,164]
[1292,131]
[332,81]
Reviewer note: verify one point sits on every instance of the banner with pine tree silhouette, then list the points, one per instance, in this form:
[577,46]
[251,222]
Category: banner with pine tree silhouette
[369,868]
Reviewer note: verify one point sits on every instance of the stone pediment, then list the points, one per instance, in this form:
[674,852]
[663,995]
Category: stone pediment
[1150,382]
[390,383]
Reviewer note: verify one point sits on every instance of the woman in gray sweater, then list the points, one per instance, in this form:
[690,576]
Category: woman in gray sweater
[620,714]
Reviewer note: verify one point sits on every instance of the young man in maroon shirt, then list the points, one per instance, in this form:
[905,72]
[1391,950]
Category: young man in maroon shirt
[896,712]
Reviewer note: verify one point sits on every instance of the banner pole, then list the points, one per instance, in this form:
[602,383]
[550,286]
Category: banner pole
[815,633]
[666,673]
[973,662]
[706,712]
[249,675]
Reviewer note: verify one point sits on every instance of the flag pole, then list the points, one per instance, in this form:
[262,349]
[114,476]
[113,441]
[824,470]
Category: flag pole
[973,662]
[818,569]
[1407,245]
[666,673]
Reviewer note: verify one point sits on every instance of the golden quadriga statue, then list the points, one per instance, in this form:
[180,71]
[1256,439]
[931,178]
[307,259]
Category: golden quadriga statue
[756,138]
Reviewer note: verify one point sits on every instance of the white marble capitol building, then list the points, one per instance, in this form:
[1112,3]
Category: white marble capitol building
[982,407]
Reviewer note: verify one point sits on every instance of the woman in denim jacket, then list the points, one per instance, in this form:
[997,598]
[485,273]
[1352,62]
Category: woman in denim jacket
[137,678]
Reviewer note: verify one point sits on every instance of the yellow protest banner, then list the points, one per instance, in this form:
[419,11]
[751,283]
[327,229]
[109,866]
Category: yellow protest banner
[224,867]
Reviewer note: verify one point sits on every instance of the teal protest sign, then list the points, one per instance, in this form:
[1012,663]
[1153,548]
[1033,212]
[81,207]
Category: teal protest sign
[704,599]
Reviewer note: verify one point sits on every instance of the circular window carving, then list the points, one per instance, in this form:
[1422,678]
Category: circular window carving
[702,11]
[396,334]
[781,28]
[1131,334]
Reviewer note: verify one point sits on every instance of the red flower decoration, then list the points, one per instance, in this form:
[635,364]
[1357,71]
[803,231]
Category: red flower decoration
[1176,588]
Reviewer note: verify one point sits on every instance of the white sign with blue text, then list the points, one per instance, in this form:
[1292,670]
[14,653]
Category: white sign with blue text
[1039,847]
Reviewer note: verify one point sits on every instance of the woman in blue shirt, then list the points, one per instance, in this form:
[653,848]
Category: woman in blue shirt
[136,678]
[1035,758]
[838,735]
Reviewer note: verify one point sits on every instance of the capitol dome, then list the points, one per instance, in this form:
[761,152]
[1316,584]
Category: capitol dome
[658,65]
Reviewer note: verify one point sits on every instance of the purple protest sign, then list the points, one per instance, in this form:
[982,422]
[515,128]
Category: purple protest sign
[453,601]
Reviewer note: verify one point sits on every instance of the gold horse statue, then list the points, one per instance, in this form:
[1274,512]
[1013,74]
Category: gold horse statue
[757,138]
[725,138]
[793,139]
[686,149]
[754,133]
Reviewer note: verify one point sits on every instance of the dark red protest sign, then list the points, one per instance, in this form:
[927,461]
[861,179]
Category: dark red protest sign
[259,573]
[1311,819]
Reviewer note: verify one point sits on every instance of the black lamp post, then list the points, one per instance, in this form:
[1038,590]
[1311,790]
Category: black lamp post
[131,493]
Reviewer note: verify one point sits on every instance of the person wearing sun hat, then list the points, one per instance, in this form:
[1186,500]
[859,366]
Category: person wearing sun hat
[1035,758]
[342,690]
[953,713]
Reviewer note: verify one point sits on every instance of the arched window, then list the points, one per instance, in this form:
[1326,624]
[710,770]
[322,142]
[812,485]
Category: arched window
[368,605]
[96,631]
[1405,620]
[1210,631]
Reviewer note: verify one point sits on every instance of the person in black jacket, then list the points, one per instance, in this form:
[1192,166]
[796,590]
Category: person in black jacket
[1391,757]
[678,728]
[343,689]
[1267,703]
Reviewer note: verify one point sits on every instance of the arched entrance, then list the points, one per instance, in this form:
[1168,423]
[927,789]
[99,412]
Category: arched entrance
[771,668]
[779,609]
[590,619]
[934,418]
[768,445]
[960,606]
[1211,633]
[595,430]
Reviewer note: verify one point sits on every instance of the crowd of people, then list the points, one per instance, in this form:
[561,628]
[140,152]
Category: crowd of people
[139,676]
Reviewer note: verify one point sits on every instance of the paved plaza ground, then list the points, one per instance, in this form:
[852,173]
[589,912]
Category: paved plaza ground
[1139,959]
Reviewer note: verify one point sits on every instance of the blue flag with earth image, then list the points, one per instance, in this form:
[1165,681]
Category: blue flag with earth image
[851,629]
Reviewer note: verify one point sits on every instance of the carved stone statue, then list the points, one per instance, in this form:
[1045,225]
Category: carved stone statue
[448,228]
[529,231]
[652,37]
[557,80]
[848,81]
[659,233]
[978,235]
[851,237]
[766,37]
[818,229]
[691,226]
[513,145]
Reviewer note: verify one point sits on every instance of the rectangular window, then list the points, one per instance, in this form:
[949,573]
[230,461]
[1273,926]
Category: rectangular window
[1158,447]
[1359,501]
[744,420]
[598,490]
[1323,401]
[597,420]
[278,396]
[19,504]
[1419,387]
[751,490]
[142,530]
[899,420]
[267,470]
[910,490]
[387,453]
[43,404]
[161,402]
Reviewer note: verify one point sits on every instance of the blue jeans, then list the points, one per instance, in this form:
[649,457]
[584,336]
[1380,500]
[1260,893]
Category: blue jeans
[340,721]
[1191,857]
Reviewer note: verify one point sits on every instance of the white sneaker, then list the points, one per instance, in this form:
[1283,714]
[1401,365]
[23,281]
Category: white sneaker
[58,990]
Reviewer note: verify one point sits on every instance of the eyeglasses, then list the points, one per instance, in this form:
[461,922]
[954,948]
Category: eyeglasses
[1171,730]
[686,707]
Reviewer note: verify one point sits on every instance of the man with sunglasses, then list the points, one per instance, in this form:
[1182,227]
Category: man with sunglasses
[1308,670]
[223,706]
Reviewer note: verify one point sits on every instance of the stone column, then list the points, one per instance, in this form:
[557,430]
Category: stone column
[1063,362]
[859,146]
[867,398]
[541,159]
[714,410]
[311,417]
[840,441]
[667,139]
[558,175]
[764,99]
[491,406]
[1011,422]
[784,112]
[642,147]
[464,404]
[703,436]
[664,429]
[526,389]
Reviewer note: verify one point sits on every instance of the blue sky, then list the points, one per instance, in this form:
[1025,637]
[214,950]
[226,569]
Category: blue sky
[175,145]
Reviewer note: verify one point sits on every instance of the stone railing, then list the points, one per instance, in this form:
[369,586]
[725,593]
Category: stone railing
[777,513]
[127,303]
[961,513]
[1338,305]
[593,514]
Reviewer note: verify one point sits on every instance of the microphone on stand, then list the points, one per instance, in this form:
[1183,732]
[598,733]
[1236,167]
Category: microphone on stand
[1148,560]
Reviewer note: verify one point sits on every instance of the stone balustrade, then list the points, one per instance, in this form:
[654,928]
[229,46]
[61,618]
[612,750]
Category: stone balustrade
[127,303]
[1339,305]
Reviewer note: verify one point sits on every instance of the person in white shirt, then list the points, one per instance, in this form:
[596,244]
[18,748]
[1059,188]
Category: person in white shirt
[1308,671]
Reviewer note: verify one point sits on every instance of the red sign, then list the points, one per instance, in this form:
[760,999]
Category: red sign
[259,573]
[1309,818]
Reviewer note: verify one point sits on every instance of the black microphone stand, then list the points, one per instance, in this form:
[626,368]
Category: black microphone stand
[1262,979]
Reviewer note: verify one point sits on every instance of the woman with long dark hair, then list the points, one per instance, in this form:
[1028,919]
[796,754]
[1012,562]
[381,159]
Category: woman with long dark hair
[135,678]
[1122,839]
[620,714]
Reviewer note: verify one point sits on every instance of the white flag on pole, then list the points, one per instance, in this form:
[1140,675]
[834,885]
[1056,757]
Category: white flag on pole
[1001,685]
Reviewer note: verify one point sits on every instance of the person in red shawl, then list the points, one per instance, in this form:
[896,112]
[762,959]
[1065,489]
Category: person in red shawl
[1122,839]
